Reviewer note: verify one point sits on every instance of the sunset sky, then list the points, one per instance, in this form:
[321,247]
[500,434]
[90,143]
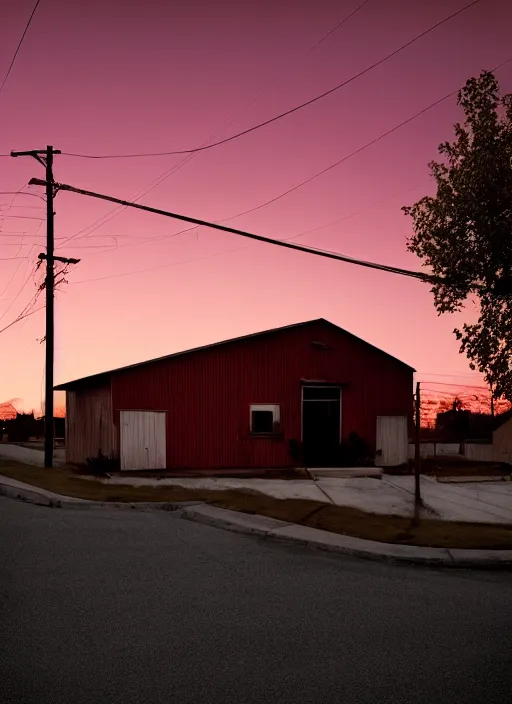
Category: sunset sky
[129,76]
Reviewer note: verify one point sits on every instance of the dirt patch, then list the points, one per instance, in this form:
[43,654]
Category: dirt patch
[316,514]
[453,466]
[440,468]
[287,473]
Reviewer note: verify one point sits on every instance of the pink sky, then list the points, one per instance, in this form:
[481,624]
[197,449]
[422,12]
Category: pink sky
[132,76]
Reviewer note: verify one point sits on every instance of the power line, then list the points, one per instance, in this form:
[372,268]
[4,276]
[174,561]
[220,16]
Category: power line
[20,217]
[450,376]
[354,153]
[21,192]
[371,206]
[319,173]
[461,386]
[19,47]
[160,266]
[20,318]
[340,24]
[174,169]
[287,112]
[10,280]
[284,239]
[260,238]
[27,281]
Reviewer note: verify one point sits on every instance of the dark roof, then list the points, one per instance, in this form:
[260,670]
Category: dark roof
[70,384]
[501,419]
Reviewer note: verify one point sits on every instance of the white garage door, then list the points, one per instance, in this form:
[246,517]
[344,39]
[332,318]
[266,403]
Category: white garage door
[392,441]
[143,440]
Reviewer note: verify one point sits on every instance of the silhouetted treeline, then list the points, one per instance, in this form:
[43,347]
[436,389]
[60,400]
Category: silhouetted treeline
[25,426]
[457,425]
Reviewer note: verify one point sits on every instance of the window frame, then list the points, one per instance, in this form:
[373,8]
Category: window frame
[275,409]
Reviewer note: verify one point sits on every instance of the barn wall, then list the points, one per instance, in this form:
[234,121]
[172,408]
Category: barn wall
[207,394]
[89,423]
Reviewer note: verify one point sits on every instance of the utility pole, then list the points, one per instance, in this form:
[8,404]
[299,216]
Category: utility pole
[492,399]
[417,454]
[45,157]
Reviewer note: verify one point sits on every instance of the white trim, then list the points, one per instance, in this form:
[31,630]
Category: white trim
[274,408]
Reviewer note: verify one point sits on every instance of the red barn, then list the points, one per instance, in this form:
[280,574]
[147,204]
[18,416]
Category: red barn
[308,394]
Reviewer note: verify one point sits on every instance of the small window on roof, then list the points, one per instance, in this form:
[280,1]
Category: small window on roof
[264,419]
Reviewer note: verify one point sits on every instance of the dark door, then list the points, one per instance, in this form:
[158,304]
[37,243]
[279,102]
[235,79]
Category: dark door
[321,425]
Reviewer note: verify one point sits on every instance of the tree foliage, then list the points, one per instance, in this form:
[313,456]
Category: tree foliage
[464,233]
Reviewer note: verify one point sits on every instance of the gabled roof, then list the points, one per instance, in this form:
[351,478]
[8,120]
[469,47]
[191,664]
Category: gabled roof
[70,384]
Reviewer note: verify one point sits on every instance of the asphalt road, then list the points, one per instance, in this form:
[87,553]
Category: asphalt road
[105,606]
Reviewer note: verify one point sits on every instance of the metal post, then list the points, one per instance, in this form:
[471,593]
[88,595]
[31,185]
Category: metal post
[417,457]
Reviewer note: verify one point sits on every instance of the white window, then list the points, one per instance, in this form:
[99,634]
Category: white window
[265,419]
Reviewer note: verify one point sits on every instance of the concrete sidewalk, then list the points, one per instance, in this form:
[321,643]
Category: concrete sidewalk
[273,529]
[481,502]
[29,456]
[473,503]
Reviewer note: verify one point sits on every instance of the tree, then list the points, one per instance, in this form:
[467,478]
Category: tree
[464,233]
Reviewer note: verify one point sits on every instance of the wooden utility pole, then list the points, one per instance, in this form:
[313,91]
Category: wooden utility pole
[492,399]
[45,157]
[50,301]
[417,454]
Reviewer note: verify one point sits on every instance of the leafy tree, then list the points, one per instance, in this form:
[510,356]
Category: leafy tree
[464,233]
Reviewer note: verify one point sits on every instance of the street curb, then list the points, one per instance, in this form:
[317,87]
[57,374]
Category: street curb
[50,500]
[279,531]
[29,496]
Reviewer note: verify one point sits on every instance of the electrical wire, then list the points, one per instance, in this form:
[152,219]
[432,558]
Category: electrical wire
[356,212]
[355,152]
[365,146]
[339,25]
[287,112]
[462,386]
[177,167]
[20,318]
[19,47]
[284,239]
[450,376]
[27,281]
[21,192]
[27,310]
[260,238]
[10,280]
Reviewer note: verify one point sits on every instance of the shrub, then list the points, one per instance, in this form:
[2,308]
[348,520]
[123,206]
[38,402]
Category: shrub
[102,465]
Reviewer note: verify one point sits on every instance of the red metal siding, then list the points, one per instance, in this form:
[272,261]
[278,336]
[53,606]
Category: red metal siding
[207,394]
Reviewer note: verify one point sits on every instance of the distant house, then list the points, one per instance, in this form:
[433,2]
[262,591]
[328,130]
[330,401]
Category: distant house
[495,446]
[502,441]
[307,394]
